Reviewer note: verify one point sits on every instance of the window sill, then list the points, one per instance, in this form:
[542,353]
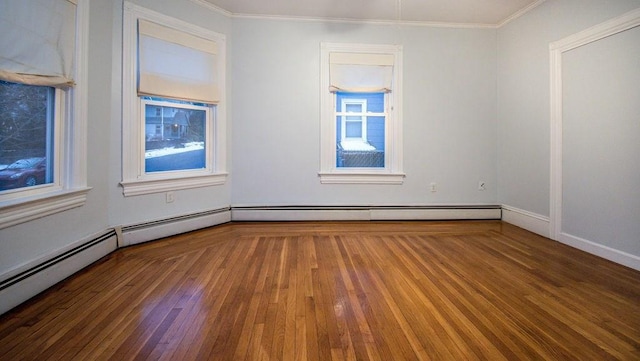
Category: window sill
[361,178]
[29,208]
[141,187]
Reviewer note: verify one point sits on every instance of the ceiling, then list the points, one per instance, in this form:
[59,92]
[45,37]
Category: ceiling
[472,12]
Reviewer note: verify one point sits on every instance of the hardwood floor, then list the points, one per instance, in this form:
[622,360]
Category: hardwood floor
[337,291]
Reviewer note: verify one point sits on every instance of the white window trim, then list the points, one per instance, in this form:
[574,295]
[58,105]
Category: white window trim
[69,189]
[134,180]
[392,172]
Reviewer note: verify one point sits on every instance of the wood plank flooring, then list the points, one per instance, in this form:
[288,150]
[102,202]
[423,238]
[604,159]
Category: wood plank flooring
[480,290]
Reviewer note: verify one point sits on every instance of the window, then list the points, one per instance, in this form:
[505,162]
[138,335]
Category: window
[26,135]
[173,100]
[42,108]
[360,114]
[360,130]
[175,135]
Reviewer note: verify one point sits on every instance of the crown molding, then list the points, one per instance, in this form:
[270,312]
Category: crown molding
[432,24]
[519,13]
[213,7]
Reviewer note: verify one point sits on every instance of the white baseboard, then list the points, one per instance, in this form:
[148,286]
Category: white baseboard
[435,214]
[149,231]
[269,215]
[528,220]
[27,281]
[311,213]
[611,254]
[541,225]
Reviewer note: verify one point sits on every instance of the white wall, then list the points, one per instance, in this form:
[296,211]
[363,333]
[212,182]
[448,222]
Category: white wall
[26,242]
[601,142]
[449,114]
[606,216]
[523,94]
[140,209]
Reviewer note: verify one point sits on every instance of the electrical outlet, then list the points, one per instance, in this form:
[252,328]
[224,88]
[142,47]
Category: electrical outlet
[170,197]
[433,187]
[482,186]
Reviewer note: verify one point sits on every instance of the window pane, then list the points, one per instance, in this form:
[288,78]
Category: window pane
[375,132]
[175,137]
[354,129]
[354,108]
[26,135]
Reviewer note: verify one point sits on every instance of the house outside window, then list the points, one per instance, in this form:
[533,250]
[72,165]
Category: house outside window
[360,130]
[361,118]
[175,135]
[173,99]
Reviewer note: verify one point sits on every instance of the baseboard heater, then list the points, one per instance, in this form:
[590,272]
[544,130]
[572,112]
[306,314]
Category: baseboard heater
[364,213]
[165,227]
[55,260]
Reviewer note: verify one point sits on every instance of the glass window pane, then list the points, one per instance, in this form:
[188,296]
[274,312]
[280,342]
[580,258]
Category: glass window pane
[175,138]
[353,108]
[26,135]
[353,129]
[375,102]
[360,158]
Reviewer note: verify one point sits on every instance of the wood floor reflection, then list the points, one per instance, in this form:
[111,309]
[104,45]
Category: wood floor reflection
[481,290]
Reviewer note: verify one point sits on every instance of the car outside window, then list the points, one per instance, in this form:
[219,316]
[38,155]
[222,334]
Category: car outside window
[26,135]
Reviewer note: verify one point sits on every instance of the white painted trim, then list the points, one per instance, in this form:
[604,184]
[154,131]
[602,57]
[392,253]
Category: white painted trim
[41,206]
[149,231]
[611,254]
[431,24]
[520,13]
[210,6]
[530,221]
[352,178]
[134,180]
[614,26]
[266,214]
[608,28]
[555,189]
[23,290]
[433,214]
[76,138]
[392,173]
[363,213]
[136,188]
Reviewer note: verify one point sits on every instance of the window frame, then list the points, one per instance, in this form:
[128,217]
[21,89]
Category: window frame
[68,188]
[135,181]
[329,172]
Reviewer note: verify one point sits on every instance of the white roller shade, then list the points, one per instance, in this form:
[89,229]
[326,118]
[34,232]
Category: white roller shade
[175,64]
[37,45]
[360,72]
